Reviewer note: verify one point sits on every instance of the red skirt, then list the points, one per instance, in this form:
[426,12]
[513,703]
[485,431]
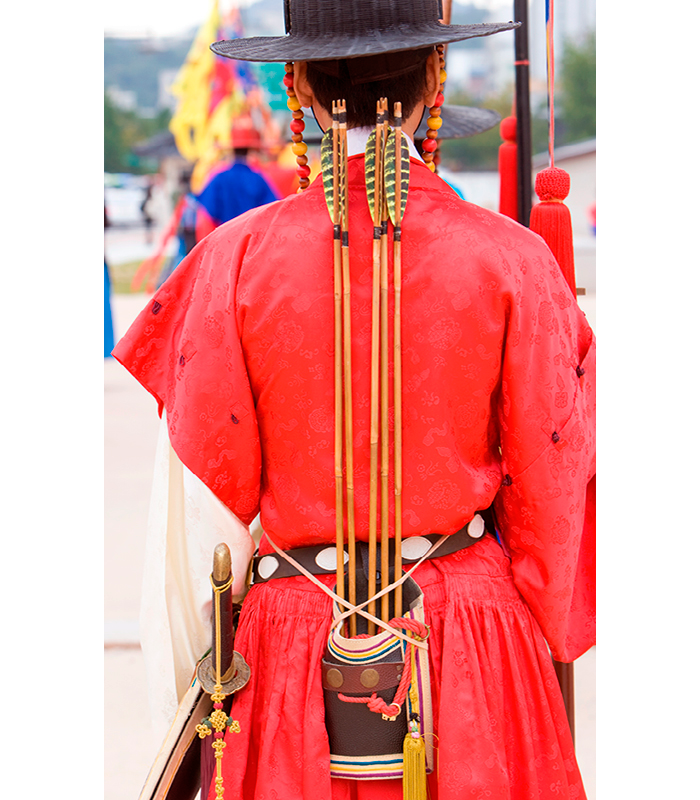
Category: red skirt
[499,717]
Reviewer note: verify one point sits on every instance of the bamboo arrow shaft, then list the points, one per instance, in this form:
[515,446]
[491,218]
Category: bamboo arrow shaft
[347,361]
[338,361]
[398,596]
[375,205]
[384,382]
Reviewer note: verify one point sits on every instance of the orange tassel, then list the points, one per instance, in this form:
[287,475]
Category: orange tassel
[508,168]
[552,220]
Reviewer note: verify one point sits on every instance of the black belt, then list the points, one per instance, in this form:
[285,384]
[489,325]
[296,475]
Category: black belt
[321,559]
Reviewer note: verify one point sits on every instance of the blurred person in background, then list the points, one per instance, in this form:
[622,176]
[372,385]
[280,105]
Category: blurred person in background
[236,189]
[185,234]
[147,212]
[108,320]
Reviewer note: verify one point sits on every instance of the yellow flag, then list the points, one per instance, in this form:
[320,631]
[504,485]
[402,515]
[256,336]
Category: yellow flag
[218,129]
[192,87]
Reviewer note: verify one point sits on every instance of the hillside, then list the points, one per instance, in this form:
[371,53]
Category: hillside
[134,65]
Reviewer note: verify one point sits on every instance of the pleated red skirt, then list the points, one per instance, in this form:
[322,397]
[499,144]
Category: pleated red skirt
[499,717]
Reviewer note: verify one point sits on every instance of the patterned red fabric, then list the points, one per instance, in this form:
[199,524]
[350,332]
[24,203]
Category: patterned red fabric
[498,406]
[499,718]
[498,373]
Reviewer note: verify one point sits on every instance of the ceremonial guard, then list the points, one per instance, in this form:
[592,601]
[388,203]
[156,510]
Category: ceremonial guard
[401,385]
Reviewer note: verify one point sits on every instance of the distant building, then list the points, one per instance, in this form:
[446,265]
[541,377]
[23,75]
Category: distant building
[166,99]
[162,149]
[122,98]
[573,21]
[484,66]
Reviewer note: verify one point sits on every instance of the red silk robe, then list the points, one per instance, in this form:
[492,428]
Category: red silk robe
[498,407]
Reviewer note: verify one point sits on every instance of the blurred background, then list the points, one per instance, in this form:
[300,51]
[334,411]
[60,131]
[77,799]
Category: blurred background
[154,66]
[150,131]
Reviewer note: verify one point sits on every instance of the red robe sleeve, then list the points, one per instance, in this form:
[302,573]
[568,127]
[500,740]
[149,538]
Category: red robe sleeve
[185,349]
[546,506]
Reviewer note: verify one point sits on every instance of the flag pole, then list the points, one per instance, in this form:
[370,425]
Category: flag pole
[522,112]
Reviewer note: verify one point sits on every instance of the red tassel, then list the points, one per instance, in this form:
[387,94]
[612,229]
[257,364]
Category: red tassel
[552,220]
[508,168]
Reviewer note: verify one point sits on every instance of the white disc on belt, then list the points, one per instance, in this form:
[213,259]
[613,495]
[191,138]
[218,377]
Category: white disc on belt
[327,558]
[267,566]
[476,527]
[415,547]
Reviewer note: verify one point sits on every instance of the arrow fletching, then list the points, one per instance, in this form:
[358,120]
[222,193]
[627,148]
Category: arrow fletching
[371,174]
[327,170]
[391,178]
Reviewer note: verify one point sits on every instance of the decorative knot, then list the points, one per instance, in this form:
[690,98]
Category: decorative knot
[377,704]
[509,129]
[552,184]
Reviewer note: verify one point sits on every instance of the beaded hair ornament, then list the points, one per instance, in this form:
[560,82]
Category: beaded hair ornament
[299,148]
[430,143]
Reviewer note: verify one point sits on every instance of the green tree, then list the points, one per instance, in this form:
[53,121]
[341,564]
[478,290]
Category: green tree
[577,91]
[478,152]
[114,149]
[574,107]
[124,129]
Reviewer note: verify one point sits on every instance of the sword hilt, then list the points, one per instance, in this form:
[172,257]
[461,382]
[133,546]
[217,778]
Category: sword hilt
[222,614]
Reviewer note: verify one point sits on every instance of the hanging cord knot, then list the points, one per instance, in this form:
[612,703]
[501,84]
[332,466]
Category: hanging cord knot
[509,129]
[552,184]
[376,704]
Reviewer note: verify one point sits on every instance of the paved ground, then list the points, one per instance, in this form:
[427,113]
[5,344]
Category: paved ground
[131,424]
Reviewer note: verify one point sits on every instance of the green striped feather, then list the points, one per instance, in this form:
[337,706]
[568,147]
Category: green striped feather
[390,176]
[327,169]
[371,170]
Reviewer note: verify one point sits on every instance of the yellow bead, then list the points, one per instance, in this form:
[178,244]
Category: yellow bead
[299,149]
[293,104]
[443,76]
[434,123]
[431,166]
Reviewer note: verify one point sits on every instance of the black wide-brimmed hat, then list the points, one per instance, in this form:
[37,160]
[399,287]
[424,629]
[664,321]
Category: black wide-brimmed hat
[321,30]
[460,122]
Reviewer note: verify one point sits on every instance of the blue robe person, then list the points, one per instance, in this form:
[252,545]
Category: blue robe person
[109,324]
[234,191]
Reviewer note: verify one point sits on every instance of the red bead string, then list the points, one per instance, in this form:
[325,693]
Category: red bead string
[430,143]
[297,126]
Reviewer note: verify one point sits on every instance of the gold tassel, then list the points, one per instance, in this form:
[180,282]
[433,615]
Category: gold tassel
[414,775]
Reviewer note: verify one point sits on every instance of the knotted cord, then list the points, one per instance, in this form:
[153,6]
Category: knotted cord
[377,704]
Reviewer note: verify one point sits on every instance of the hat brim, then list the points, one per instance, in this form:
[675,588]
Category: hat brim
[460,122]
[333,46]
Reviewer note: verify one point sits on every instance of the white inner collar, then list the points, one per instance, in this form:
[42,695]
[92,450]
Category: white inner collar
[357,141]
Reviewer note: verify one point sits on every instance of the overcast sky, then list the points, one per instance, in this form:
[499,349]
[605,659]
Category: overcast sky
[158,17]
[169,17]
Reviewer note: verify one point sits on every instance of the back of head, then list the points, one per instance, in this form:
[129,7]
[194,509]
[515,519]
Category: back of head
[400,77]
